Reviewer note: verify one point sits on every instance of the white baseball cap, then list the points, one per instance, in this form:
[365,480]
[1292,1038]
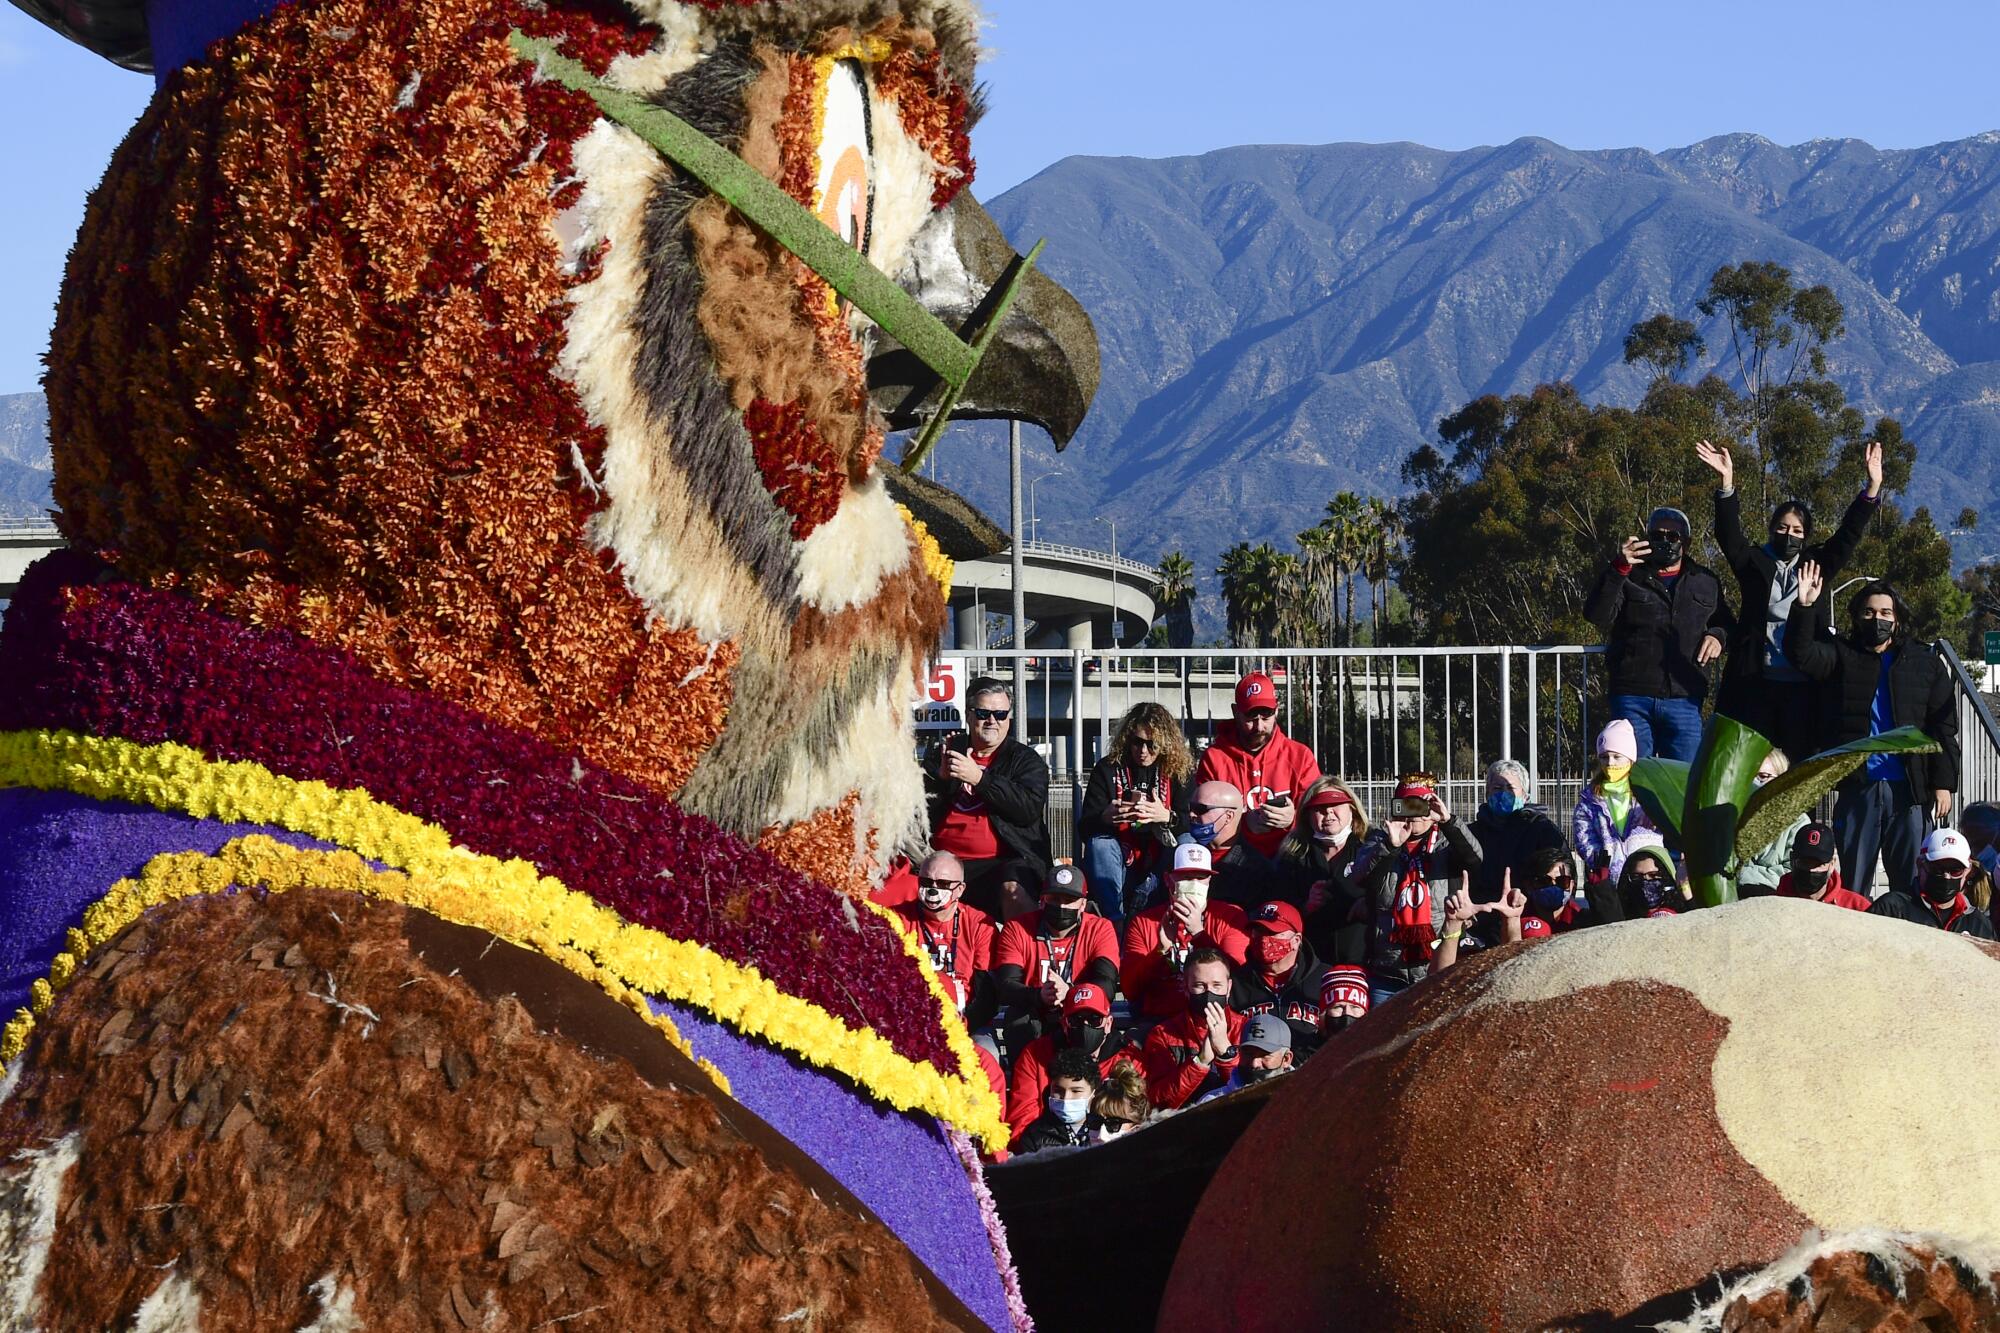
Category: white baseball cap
[1191,858]
[1948,844]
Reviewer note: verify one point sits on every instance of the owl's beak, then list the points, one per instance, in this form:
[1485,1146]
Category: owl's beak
[1041,365]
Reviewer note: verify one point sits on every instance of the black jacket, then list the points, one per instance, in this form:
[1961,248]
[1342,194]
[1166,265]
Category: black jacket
[1049,1131]
[1297,1001]
[1754,567]
[1113,775]
[1337,933]
[1905,907]
[1505,843]
[1016,792]
[1651,633]
[1245,877]
[1920,695]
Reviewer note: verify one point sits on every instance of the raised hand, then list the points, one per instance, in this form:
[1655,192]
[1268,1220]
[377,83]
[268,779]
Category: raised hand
[1872,456]
[1460,907]
[1190,913]
[1512,902]
[1635,550]
[1397,831]
[1718,457]
[1810,582]
[1439,808]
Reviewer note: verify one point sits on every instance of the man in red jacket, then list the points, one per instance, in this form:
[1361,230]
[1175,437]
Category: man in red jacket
[1196,1049]
[1042,955]
[1086,1026]
[1270,768]
[1816,871]
[1160,940]
[956,937]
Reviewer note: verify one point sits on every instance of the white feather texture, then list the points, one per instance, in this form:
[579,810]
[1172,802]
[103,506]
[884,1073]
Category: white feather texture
[336,1308]
[844,560]
[681,46]
[1896,1251]
[174,1307]
[872,758]
[30,1193]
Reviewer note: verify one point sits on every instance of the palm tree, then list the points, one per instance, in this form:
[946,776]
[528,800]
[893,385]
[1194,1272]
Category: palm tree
[1385,544]
[1177,594]
[1322,580]
[1235,573]
[1292,617]
[1347,519]
[1259,595]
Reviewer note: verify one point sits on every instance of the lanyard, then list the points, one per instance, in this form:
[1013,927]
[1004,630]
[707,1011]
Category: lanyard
[945,954]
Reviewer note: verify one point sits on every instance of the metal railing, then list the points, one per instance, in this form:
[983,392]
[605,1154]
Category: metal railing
[28,529]
[1086,556]
[1371,714]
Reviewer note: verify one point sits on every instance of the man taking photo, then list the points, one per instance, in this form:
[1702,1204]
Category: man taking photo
[1269,768]
[988,806]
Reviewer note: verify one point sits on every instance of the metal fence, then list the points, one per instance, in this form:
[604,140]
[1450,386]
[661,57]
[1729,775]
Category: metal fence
[1370,714]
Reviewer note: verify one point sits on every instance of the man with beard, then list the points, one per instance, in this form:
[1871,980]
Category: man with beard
[1041,956]
[957,938]
[1254,755]
[1875,679]
[1195,1050]
[1663,621]
[1085,1026]
[1283,977]
[1940,899]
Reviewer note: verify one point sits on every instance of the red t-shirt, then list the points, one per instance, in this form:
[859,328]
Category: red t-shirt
[956,951]
[1836,894]
[1283,767]
[1150,976]
[967,831]
[1025,945]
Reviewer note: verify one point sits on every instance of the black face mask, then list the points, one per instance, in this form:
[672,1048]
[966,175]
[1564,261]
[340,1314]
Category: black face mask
[1666,549]
[1812,881]
[1201,1002]
[1086,1038]
[1875,632]
[1942,889]
[1787,545]
[1337,1023]
[1061,918]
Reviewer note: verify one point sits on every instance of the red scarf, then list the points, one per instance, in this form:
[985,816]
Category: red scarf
[1411,926]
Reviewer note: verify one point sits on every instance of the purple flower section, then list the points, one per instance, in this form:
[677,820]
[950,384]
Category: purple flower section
[60,852]
[114,659]
[900,1166]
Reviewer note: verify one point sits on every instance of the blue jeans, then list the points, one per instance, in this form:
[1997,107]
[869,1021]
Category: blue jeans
[1383,989]
[1669,728]
[1115,887]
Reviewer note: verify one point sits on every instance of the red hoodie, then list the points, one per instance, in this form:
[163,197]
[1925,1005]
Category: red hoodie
[1283,767]
[1151,978]
[1172,1076]
[1837,894]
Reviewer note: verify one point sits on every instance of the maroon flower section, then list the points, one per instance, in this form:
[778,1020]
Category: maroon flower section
[84,653]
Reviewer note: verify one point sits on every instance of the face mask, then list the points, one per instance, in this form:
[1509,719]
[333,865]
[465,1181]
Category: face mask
[1061,918]
[1334,840]
[1192,891]
[1812,881]
[1069,1110]
[1201,1002]
[1271,950]
[1337,1023]
[1666,550]
[1504,802]
[1942,888]
[1104,1133]
[1875,632]
[1087,1039]
[1758,781]
[1202,833]
[1616,771]
[1787,545]
[934,900]
[1654,889]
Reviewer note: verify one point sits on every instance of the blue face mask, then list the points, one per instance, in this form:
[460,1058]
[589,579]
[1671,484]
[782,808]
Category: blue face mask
[1202,833]
[1504,802]
[1069,1110]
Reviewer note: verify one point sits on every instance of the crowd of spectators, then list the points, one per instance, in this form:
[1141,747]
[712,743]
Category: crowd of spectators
[1235,911]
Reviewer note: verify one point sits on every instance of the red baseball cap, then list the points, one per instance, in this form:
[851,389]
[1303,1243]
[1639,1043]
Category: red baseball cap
[1278,916]
[1256,691]
[1087,995]
[1534,928]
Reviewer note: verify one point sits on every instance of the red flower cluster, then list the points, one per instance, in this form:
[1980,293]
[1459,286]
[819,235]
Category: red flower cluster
[800,470]
[115,659]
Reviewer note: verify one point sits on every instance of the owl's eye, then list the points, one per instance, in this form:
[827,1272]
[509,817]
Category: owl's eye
[844,193]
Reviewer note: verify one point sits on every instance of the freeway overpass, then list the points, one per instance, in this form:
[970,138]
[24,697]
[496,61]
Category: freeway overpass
[1070,595]
[22,542]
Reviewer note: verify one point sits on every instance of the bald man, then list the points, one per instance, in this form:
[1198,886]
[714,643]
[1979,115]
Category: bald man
[956,937]
[1244,876]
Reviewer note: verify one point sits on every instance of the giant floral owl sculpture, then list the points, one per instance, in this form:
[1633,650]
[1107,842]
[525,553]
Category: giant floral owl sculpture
[440,784]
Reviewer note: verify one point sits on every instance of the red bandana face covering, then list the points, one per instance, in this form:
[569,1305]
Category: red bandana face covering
[1411,928]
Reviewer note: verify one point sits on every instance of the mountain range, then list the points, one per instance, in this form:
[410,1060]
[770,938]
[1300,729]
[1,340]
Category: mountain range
[1282,322]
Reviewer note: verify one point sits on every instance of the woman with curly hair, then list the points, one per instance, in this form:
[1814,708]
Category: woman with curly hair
[1134,810]
[1315,870]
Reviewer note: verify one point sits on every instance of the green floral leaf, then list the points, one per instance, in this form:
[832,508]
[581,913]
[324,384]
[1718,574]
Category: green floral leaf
[1725,769]
[1661,786]
[1784,798]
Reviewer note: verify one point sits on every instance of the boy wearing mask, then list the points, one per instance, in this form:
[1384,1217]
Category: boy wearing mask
[1195,1050]
[1664,621]
[1064,1121]
[1814,872]
[1085,1026]
[1160,940]
[1940,899]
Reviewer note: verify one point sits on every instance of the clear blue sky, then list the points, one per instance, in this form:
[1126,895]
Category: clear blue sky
[1169,77]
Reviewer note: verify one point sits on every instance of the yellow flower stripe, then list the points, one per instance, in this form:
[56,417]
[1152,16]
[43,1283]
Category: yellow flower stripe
[257,861]
[936,563]
[520,904]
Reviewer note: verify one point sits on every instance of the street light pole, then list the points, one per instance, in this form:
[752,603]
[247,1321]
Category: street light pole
[1018,576]
[1117,640]
[1034,513]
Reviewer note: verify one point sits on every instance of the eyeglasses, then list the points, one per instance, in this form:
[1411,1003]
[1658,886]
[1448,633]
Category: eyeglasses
[793,226]
[946,884]
[992,714]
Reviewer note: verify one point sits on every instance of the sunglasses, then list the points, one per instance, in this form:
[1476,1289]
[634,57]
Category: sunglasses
[1211,809]
[946,884]
[992,714]
[1117,1122]
[1144,743]
[793,226]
